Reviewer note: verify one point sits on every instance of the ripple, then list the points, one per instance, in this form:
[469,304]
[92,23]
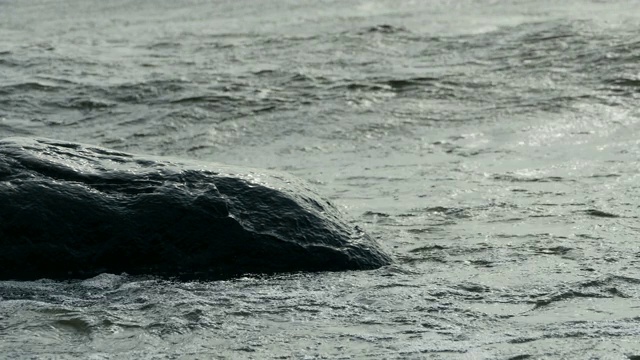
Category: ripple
[599,213]
[386,29]
[28,86]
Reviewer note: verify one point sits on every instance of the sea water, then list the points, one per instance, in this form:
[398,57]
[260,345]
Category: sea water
[491,147]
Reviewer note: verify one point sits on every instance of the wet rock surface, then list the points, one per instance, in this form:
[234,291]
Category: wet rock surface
[70,210]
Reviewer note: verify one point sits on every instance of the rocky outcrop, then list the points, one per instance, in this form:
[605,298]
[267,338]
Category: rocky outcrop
[70,210]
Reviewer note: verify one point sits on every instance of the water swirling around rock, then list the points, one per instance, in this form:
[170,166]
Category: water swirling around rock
[71,210]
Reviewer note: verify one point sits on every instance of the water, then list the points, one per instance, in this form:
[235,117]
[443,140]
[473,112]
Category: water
[490,147]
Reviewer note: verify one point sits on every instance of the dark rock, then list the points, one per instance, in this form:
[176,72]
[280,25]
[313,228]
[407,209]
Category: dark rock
[71,210]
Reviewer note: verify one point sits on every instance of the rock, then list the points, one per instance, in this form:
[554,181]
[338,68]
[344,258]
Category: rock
[70,210]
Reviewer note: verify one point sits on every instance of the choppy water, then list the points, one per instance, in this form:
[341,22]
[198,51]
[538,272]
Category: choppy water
[490,146]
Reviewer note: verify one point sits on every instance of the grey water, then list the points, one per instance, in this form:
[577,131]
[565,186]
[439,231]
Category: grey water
[491,147]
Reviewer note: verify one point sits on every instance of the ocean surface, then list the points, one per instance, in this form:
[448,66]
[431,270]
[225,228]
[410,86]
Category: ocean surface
[491,147]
